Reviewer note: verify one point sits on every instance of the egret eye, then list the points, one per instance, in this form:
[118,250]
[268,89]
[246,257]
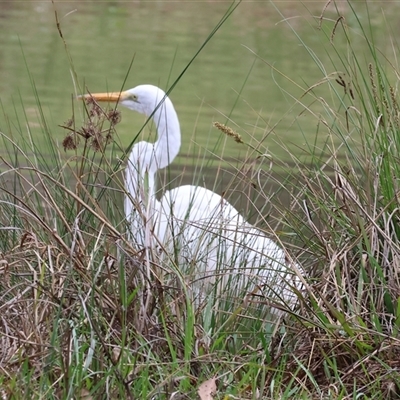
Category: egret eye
[133,97]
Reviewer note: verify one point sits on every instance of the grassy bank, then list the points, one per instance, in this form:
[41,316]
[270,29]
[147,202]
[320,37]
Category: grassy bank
[84,314]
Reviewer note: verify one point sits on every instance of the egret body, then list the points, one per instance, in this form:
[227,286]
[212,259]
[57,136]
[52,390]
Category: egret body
[202,227]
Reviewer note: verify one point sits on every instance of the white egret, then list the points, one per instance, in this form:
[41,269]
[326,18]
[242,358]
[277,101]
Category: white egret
[200,226]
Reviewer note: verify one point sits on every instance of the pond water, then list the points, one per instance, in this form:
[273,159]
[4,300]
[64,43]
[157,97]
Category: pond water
[251,74]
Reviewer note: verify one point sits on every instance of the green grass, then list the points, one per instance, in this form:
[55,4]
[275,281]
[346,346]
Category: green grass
[84,315]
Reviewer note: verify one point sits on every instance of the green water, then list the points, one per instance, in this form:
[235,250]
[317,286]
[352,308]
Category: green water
[252,73]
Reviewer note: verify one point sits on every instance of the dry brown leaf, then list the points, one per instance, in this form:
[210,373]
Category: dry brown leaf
[116,353]
[85,395]
[207,389]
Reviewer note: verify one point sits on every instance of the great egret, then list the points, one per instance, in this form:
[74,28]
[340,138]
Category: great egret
[200,226]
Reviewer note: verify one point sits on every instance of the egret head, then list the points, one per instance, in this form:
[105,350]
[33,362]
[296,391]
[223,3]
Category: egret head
[151,101]
[143,98]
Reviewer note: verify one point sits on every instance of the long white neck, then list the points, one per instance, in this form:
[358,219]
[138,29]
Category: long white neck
[144,162]
[168,143]
[147,158]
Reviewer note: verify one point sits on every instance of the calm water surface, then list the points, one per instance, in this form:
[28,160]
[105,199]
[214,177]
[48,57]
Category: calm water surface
[231,78]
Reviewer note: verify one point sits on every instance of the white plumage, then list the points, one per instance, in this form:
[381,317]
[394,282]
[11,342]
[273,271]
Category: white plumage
[209,235]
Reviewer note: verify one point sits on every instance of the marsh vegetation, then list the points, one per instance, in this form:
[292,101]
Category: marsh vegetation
[85,314]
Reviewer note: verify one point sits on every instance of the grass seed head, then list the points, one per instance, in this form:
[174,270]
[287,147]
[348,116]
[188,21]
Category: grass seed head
[114,116]
[229,132]
[97,142]
[69,142]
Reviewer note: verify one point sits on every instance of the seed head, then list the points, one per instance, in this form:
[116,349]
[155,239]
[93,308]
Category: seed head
[229,132]
[69,142]
[114,116]
[96,143]
[69,123]
[88,131]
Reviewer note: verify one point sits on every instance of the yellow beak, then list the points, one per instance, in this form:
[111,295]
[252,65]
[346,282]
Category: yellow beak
[112,97]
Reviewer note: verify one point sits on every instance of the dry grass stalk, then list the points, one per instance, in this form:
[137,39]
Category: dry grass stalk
[340,19]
